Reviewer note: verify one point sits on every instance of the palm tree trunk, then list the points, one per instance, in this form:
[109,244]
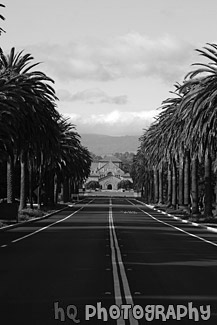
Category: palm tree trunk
[77,188]
[174,184]
[161,201]
[169,186]
[30,184]
[65,189]
[216,198]
[194,186]
[22,181]
[74,189]
[149,194]
[208,187]
[148,189]
[142,191]
[70,189]
[181,182]
[47,180]
[52,188]
[156,185]
[10,179]
[72,186]
[145,187]
[187,180]
[151,187]
[56,188]
[39,188]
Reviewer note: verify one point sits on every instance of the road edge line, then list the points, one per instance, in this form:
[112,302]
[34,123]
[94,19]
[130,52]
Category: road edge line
[178,218]
[20,224]
[174,227]
[43,228]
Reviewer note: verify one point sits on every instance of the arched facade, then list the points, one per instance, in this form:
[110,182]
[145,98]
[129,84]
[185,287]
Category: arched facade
[108,173]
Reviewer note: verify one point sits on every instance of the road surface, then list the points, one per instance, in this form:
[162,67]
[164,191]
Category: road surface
[108,261]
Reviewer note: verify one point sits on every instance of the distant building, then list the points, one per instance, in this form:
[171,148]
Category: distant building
[108,173]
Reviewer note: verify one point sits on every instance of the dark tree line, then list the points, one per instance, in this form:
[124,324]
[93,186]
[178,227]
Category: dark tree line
[40,150]
[176,160]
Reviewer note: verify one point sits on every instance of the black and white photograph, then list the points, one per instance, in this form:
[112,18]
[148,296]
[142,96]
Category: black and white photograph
[108,164]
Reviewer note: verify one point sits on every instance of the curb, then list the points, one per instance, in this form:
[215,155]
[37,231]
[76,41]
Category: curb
[20,224]
[195,224]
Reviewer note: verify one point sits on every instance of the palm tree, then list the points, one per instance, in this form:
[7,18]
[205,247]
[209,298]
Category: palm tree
[139,172]
[44,141]
[10,128]
[186,130]
[164,147]
[201,135]
[168,122]
[37,136]
[72,162]
[36,107]
[187,179]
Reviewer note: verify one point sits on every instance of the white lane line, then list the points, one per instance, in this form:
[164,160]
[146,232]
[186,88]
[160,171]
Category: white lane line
[177,218]
[117,290]
[127,293]
[43,228]
[177,228]
[211,229]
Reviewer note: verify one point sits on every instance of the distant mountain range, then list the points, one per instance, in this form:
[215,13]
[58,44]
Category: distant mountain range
[104,144]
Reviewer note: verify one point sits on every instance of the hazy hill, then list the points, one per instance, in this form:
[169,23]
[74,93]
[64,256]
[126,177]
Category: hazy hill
[105,144]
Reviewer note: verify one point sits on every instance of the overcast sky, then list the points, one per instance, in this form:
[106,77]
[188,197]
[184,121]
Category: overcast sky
[113,61]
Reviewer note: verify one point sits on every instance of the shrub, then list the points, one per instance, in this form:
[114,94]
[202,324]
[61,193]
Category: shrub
[26,214]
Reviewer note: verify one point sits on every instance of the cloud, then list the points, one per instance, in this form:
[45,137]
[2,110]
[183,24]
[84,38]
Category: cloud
[133,55]
[92,96]
[115,122]
[117,117]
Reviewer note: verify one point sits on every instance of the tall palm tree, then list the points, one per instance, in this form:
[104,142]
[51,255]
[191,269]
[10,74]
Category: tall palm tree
[10,128]
[171,146]
[72,161]
[185,131]
[163,145]
[201,125]
[36,106]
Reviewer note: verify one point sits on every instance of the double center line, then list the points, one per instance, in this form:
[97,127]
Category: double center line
[121,285]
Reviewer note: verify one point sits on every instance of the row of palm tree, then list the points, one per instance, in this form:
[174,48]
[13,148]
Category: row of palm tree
[176,161]
[36,141]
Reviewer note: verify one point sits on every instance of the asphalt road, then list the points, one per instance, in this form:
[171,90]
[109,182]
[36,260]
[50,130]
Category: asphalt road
[108,256]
